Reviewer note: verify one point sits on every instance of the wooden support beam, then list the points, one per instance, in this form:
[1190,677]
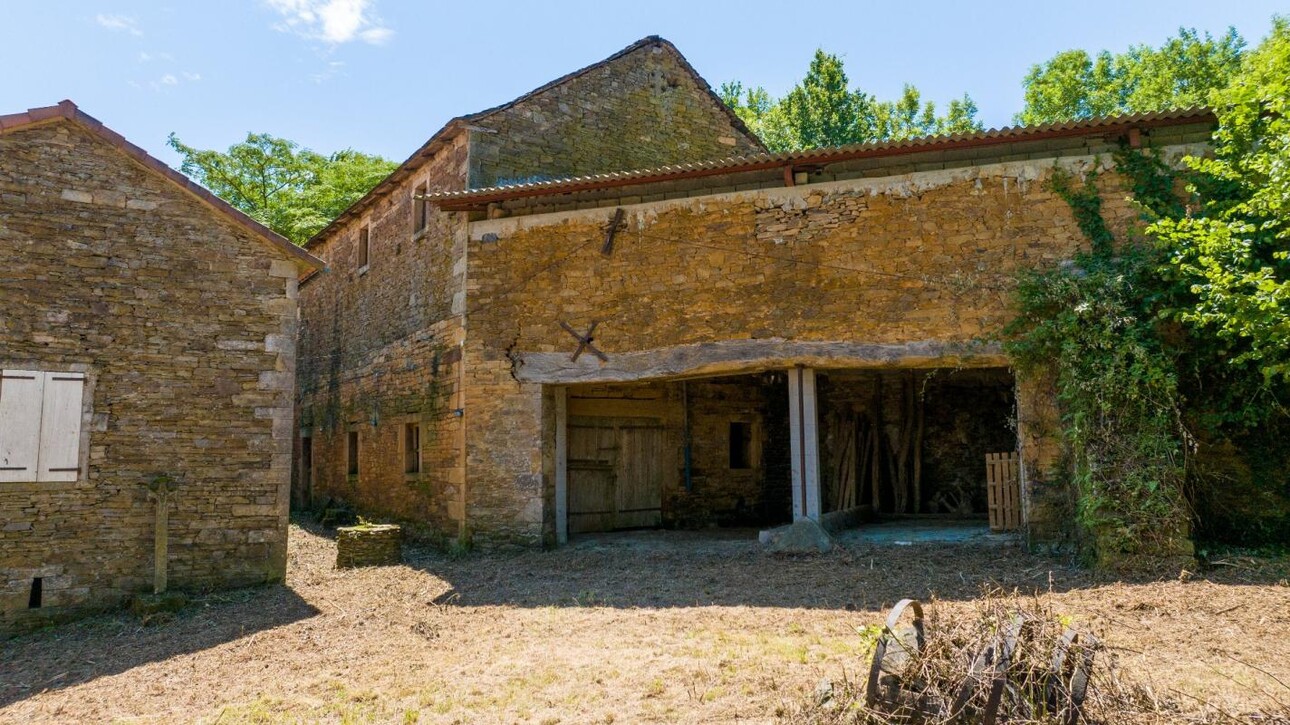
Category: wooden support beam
[804,444]
[745,356]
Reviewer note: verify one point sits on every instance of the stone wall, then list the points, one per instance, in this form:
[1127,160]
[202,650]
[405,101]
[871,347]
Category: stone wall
[380,348]
[185,326]
[641,109]
[914,269]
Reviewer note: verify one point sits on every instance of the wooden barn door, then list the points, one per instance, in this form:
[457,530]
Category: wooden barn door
[615,474]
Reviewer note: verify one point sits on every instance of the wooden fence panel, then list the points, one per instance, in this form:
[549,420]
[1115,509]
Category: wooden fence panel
[1003,489]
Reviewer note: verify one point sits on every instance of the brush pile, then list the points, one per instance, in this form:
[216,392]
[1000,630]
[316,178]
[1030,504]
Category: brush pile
[1013,661]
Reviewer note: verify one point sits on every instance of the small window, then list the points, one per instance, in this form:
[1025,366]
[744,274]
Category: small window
[364,248]
[420,209]
[412,448]
[351,453]
[740,445]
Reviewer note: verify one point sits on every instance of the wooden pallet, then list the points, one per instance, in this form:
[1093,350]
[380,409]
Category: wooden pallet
[1003,488]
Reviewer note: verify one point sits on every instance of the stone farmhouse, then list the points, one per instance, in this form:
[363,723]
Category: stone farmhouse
[147,350]
[604,305]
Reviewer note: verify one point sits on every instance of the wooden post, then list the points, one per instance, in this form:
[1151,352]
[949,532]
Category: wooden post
[805,443]
[561,465]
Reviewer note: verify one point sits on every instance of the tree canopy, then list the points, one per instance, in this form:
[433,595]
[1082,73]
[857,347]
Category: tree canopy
[1232,250]
[293,191]
[1181,73]
[823,110]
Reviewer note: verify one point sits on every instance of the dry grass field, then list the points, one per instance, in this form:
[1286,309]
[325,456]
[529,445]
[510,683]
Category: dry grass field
[654,627]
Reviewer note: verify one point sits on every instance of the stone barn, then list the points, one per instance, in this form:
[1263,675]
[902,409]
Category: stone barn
[147,341]
[775,336]
[697,332]
[383,421]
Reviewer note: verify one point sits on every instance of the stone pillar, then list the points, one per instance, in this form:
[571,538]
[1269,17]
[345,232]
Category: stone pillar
[805,443]
[1039,442]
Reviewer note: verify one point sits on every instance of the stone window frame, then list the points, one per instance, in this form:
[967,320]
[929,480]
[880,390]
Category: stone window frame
[353,453]
[420,210]
[403,423]
[364,248]
[754,442]
[306,475]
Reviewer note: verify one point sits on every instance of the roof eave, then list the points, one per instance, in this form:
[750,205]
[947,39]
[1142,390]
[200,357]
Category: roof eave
[1114,126]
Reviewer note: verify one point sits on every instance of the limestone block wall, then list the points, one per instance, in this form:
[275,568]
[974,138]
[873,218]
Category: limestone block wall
[380,348]
[185,326]
[642,109]
[920,263]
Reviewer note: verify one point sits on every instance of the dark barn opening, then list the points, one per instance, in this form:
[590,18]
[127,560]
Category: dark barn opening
[913,441]
[716,452]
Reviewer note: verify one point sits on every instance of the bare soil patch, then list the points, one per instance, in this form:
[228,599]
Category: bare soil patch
[653,627]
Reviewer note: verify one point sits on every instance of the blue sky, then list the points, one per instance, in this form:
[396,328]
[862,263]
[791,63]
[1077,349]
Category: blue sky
[382,75]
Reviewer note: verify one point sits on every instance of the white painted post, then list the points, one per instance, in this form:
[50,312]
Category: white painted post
[561,465]
[805,444]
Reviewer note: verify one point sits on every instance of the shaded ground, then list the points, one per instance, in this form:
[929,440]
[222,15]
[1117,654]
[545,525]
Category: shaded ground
[654,627]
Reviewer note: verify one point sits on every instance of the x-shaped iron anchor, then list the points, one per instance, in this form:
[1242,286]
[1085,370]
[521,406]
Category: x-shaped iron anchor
[584,342]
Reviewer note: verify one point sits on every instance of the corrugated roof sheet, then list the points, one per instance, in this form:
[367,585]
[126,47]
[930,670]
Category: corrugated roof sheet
[753,162]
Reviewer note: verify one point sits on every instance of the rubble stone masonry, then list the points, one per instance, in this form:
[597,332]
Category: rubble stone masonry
[381,347]
[642,109]
[910,269]
[184,325]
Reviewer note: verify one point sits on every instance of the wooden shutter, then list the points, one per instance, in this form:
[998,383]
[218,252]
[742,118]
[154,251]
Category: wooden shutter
[21,393]
[60,427]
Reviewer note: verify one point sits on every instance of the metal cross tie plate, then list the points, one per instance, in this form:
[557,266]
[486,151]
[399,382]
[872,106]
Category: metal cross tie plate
[584,342]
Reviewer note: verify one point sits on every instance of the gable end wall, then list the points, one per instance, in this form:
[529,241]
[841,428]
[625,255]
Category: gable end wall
[642,110]
[184,323]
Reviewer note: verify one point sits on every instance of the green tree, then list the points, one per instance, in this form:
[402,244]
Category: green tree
[293,191]
[1232,252]
[1180,73]
[823,110]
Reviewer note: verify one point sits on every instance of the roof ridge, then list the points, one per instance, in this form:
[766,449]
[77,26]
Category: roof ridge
[67,110]
[430,146]
[572,75]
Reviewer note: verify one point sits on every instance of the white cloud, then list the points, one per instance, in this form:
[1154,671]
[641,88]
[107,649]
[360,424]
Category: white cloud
[334,67]
[145,57]
[170,80]
[119,22]
[332,21]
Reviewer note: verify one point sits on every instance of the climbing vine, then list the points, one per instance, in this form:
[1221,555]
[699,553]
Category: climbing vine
[1092,326]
